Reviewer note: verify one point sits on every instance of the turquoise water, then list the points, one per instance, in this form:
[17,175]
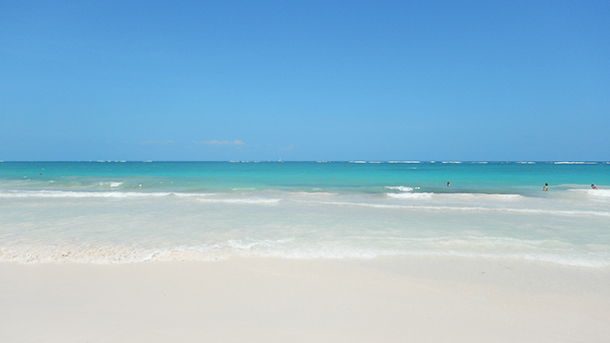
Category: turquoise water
[125,212]
[369,177]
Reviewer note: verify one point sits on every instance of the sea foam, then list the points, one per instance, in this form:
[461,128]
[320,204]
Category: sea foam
[208,211]
[401,188]
[84,194]
[455,196]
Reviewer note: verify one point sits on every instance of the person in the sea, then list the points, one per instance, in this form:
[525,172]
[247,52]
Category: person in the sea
[546,187]
[448,183]
[593,186]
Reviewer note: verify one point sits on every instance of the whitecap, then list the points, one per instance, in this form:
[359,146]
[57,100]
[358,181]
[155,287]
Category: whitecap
[111,184]
[401,188]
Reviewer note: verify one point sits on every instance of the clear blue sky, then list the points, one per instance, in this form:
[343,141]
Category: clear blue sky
[305,80]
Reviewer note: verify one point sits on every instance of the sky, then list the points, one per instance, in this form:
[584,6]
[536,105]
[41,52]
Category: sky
[304,80]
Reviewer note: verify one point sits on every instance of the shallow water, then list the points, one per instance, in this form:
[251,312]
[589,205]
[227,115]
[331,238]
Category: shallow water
[115,212]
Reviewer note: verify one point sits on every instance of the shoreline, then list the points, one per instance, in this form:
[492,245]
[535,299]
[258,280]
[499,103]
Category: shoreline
[438,299]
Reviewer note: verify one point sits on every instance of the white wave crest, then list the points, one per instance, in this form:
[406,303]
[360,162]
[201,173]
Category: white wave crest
[401,188]
[455,196]
[75,194]
[470,208]
[111,184]
[601,193]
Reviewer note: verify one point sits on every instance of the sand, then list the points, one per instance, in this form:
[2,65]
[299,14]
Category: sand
[273,300]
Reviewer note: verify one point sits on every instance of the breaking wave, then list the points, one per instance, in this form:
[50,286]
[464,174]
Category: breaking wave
[455,196]
[83,194]
[401,188]
[585,213]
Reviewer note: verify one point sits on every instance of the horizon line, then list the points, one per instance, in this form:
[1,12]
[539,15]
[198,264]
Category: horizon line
[353,161]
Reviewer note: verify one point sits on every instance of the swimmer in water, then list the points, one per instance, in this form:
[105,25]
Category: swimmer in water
[593,186]
[546,187]
[448,183]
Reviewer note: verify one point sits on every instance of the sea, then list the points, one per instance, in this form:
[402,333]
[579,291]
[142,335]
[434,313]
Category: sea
[141,211]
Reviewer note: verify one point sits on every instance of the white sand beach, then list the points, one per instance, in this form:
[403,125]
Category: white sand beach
[280,300]
[304,171]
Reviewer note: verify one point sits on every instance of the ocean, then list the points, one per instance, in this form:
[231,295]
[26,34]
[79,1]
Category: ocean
[126,212]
